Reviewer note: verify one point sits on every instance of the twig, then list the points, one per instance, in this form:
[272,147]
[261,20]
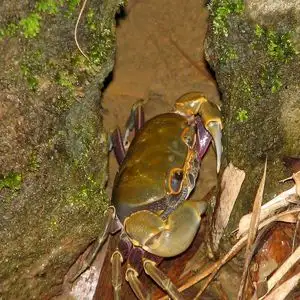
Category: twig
[295,233]
[76,28]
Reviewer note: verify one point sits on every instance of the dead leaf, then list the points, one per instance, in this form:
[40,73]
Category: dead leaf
[280,201]
[212,270]
[296,177]
[253,230]
[284,268]
[284,289]
[231,183]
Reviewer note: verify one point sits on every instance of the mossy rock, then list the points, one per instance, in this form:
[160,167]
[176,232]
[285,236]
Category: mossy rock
[53,149]
[253,47]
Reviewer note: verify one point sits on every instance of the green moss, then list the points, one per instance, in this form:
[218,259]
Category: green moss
[270,78]
[9,30]
[229,54]
[102,36]
[242,115]
[91,20]
[31,79]
[103,47]
[221,11]
[33,162]
[279,49]
[259,31]
[31,67]
[245,87]
[67,80]
[279,46]
[11,181]
[72,4]
[48,6]
[30,26]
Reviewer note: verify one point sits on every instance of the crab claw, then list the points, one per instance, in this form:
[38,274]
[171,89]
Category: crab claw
[215,129]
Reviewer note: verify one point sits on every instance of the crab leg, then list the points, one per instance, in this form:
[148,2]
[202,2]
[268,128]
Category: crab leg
[135,121]
[194,103]
[203,138]
[116,261]
[211,117]
[118,146]
[139,118]
[136,285]
[99,243]
[161,279]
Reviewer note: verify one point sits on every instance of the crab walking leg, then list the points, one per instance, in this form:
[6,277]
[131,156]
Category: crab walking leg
[132,277]
[111,213]
[135,121]
[116,262]
[117,145]
[161,279]
[139,119]
[203,138]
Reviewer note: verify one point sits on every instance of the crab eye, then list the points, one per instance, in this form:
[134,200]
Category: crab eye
[175,180]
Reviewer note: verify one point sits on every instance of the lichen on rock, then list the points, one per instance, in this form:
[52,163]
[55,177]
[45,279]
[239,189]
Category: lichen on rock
[53,148]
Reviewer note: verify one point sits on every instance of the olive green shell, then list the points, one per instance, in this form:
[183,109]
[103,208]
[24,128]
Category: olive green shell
[143,176]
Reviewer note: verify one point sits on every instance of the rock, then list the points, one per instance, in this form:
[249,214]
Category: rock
[253,47]
[53,149]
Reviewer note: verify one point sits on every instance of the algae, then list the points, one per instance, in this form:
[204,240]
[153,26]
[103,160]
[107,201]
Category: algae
[11,181]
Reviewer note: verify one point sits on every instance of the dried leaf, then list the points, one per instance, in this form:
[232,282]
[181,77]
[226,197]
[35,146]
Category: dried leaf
[296,177]
[231,183]
[289,218]
[284,268]
[212,270]
[284,289]
[253,230]
[296,231]
[280,201]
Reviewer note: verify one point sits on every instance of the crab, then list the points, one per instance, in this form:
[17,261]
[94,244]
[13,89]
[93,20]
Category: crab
[150,197]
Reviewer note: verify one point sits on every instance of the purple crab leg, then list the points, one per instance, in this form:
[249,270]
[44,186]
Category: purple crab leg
[134,268]
[135,121]
[118,145]
[139,118]
[203,138]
